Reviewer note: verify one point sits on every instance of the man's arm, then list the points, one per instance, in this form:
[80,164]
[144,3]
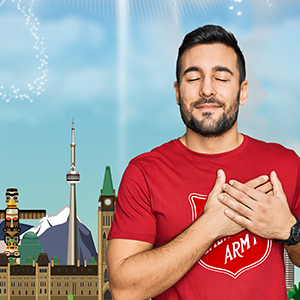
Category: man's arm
[267,215]
[139,271]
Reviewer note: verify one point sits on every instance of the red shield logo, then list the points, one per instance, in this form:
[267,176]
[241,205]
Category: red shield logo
[231,255]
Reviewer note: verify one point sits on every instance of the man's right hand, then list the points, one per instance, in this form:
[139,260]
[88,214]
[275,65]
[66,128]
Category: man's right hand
[221,224]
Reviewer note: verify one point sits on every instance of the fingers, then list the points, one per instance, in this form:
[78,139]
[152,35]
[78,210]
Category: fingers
[237,218]
[220,180]
[257,182]
[277,187]
[266,188]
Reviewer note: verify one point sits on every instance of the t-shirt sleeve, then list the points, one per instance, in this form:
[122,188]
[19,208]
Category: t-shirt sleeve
[134,218]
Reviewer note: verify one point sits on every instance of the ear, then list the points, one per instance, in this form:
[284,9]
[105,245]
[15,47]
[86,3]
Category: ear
[176,88]
[244,92]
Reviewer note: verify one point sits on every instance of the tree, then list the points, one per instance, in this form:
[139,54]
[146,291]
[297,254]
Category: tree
[70,297]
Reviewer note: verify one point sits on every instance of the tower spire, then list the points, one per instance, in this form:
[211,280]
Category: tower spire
[73,178]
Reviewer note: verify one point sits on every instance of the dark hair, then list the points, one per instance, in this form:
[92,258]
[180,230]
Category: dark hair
[211,34]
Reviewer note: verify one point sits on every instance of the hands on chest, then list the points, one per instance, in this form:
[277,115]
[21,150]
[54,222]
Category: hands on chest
[262,209]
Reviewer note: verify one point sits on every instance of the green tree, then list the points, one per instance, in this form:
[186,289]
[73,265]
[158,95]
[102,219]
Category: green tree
[70,297]
[11,260]
[93,261]
[296,296]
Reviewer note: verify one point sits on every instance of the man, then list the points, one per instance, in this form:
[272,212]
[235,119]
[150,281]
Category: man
[198,217]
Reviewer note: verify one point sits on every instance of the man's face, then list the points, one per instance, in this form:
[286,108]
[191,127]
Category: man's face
[209,93]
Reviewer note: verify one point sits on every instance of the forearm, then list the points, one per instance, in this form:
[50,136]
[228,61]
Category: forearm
[294,253]
[151,272]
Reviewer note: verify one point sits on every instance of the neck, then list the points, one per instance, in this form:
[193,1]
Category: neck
[230,140]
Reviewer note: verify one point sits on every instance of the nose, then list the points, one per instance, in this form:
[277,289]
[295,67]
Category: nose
[207,88]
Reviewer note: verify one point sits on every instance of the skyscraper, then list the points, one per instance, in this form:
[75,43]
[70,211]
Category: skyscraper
[73,178]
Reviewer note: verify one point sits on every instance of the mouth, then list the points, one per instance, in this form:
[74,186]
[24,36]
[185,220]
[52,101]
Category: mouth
[207,107]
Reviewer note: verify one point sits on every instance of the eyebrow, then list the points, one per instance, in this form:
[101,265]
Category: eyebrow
[191,69]
[215,69]
[222,69]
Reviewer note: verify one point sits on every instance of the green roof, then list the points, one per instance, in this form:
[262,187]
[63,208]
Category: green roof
[107,189]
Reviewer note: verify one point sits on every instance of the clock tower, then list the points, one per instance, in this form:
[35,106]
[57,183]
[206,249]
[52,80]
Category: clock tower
[106,210]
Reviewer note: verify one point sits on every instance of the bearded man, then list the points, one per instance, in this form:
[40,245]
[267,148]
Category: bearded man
[205,216]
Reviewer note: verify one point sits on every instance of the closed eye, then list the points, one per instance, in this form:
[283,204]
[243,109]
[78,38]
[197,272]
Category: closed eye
[222,80]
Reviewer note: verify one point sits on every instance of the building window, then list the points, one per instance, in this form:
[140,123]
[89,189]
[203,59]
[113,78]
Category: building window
[58,292]
[105,275]
[81,292]
[89,292]
[32,293]
[66,293]
[12,292]
[19,292]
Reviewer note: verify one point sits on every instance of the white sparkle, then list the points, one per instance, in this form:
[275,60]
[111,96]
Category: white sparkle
[35,85]
[239,13]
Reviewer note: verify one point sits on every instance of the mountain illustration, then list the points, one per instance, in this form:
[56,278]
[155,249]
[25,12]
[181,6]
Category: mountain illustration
[52,231]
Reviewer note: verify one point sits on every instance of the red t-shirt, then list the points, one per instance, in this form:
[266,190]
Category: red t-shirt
[163,191]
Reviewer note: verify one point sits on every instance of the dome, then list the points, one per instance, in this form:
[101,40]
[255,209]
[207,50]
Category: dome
[30,235]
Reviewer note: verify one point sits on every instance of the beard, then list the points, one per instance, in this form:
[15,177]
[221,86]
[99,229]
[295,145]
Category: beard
[208,126]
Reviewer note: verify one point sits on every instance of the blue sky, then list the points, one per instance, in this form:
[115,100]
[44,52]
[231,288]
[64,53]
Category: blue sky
[112,68]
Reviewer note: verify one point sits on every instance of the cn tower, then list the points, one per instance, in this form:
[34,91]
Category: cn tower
[73,178]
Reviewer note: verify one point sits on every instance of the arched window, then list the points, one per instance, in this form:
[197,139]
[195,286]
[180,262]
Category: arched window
[105,275]
[107,295]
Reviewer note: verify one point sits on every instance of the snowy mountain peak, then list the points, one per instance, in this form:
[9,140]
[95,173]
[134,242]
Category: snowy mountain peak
[51,220]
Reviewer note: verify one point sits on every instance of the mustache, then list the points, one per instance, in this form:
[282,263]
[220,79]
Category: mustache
[211,100]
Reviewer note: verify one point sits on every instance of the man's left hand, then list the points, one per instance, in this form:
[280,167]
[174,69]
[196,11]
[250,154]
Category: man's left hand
[266,215]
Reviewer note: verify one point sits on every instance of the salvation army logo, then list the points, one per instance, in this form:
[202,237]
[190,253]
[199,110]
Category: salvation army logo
[231,255]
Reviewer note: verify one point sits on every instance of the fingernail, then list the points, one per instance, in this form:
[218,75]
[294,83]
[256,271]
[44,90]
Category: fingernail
[227,212]
[220,197]
[266,178]
[231,182]
[224,186]
[219,173]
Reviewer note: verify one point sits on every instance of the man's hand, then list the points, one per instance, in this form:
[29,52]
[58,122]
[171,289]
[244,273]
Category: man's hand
[267,215]
[223,225]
